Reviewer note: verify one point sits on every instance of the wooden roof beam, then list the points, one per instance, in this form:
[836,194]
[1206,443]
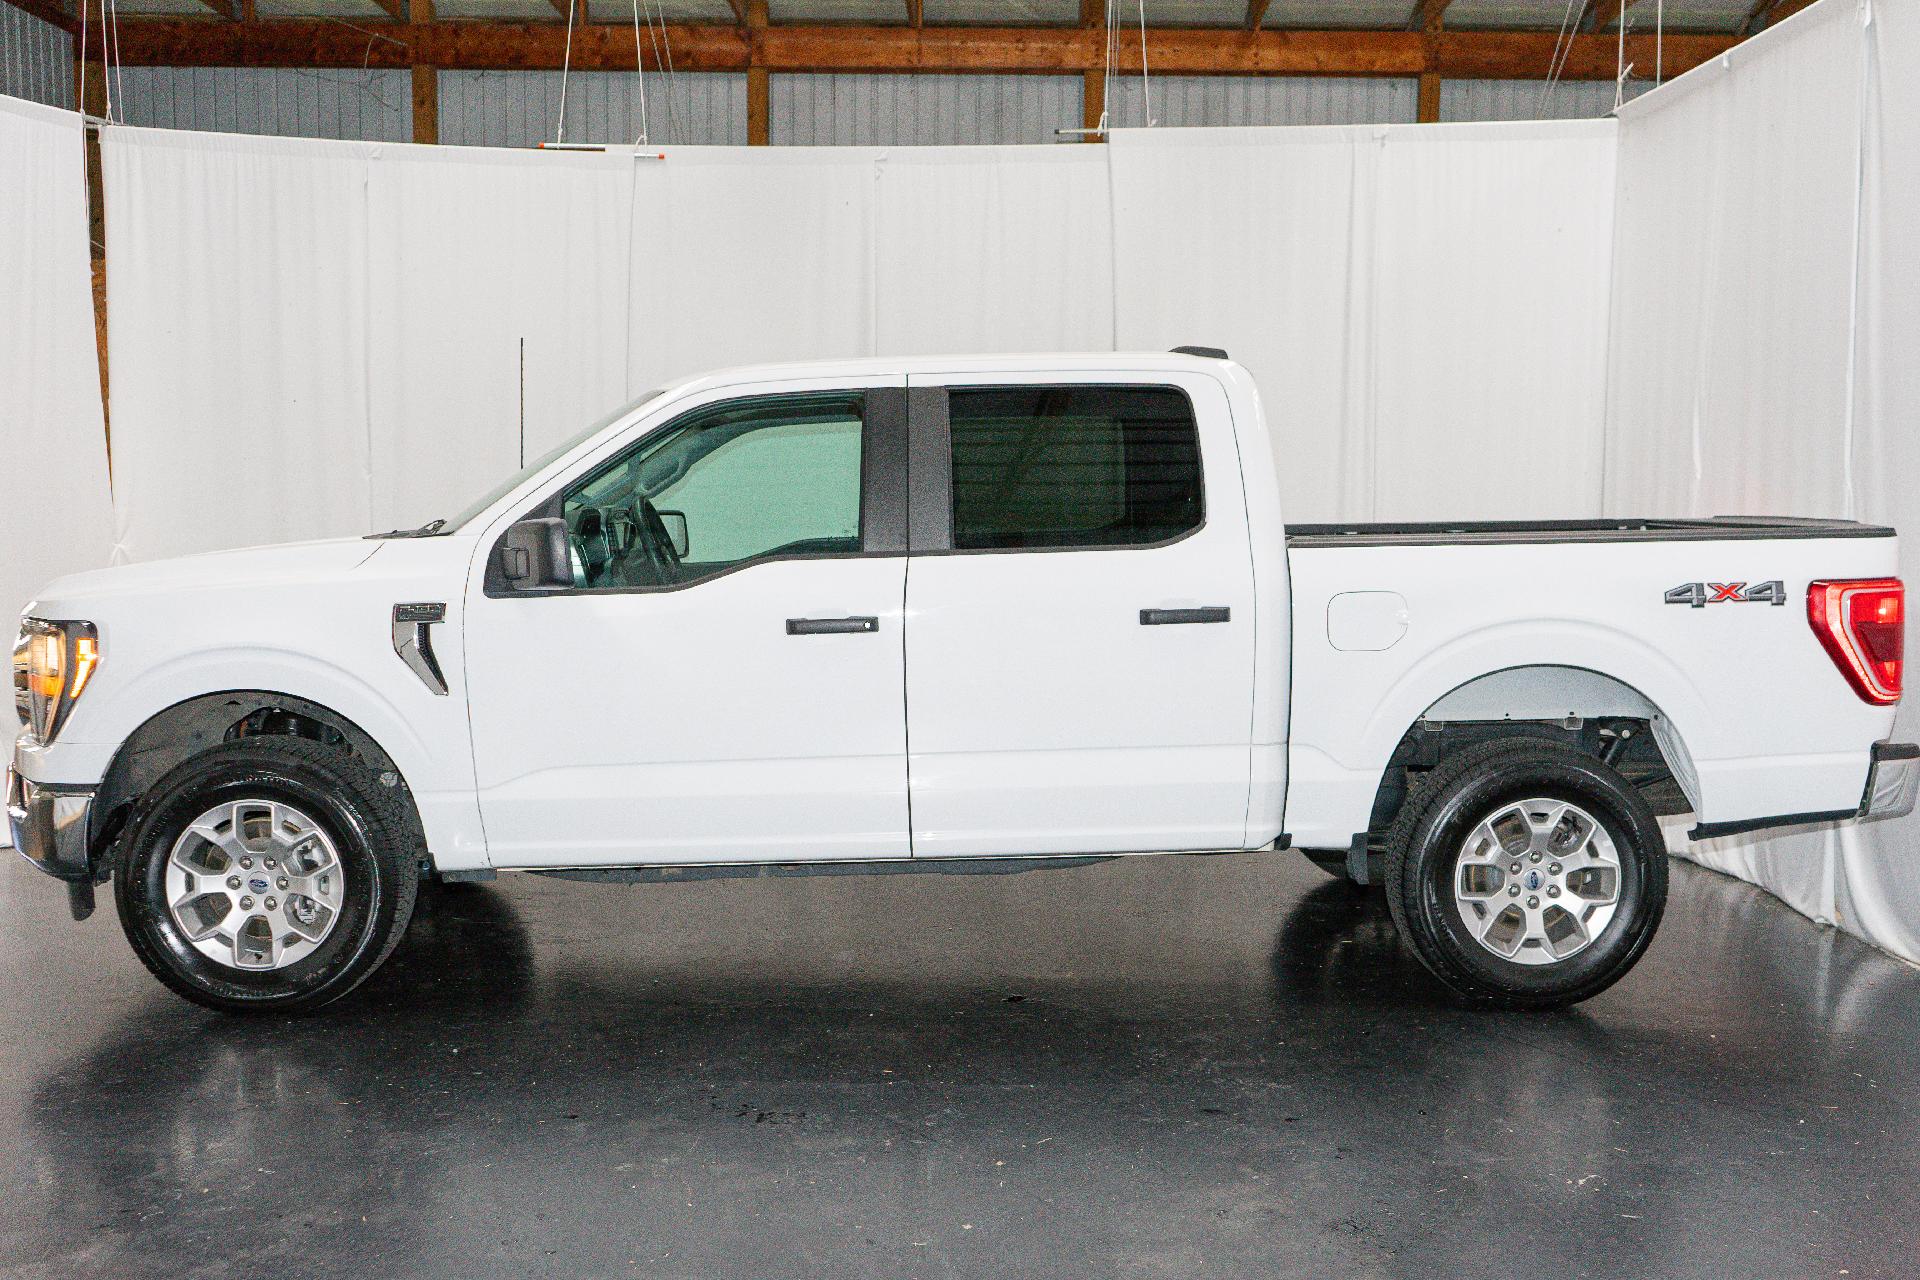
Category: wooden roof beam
[1428,15]
[295,42]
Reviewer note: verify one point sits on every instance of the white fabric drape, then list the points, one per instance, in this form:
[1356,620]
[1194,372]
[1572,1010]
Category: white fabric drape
[321,338]
[1763,320]
[54,507]
[237,338]
[1397,291]
[1705,308]
[496,290]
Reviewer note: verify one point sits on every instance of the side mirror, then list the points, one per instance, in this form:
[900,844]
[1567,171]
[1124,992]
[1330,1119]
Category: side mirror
[535,554]
[676,522]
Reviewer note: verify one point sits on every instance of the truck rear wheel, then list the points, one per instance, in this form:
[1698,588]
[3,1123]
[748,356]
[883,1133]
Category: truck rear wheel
[1525,874]
[268,875]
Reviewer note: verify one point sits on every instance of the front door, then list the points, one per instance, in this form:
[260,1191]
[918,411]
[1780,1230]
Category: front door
[724,680]
[1080,637]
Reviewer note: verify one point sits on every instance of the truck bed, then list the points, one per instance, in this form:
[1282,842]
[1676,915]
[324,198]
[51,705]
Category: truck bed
[1445,533]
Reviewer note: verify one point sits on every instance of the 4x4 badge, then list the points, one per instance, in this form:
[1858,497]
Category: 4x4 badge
[1701,594]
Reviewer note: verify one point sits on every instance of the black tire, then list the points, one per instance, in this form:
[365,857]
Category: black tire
[1424,846]
[371,828]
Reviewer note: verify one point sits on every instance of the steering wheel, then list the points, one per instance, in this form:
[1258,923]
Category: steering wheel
[590,545]
[655,542]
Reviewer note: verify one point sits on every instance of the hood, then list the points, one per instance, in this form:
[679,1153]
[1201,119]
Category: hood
[286,564]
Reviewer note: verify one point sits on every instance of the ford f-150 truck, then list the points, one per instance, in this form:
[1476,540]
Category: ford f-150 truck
[970,614]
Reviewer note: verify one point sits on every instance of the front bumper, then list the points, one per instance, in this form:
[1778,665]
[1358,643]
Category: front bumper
[49,826]
[1893,783]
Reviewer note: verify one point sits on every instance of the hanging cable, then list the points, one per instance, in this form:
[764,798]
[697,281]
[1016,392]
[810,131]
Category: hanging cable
[566,65]
[666,43]
[118,78]
[1562,50]
[1146,87]
[83,55]
[640,70]
[1106,74]
[1620,62]
[663,60]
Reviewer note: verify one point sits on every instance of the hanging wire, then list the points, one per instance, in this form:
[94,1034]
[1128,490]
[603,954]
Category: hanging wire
[1562,50]
[1620,62]
[663,58]
[83,55]
[1146,87]
[1659,40]
[119,80]
[666,43]
[640,70]
[566,65]
[1106,74]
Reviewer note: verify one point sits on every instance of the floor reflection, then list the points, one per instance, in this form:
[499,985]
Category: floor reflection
[1184,1066]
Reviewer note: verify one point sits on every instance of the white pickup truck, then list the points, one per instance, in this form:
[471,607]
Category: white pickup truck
[966,614]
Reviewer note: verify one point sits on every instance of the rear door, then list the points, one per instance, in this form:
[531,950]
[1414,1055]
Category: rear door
[1080,635]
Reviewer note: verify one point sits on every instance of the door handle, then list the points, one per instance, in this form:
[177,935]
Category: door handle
[1173,617]
[830,626]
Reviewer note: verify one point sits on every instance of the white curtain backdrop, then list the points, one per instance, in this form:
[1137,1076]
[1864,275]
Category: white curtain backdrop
[1764,319]
[54,506]
[1706,307]
[237,339]
[1398,291]
[319,338]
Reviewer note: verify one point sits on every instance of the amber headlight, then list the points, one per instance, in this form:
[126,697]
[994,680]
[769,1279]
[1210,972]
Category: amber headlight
[52,665]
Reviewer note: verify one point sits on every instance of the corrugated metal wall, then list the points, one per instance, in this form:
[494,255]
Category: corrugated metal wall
[36,59]
[1243,100]
[374,105]
[521,108]
[1529,99]
[899,110]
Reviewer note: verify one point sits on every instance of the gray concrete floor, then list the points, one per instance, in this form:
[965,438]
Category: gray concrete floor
[1169,1067]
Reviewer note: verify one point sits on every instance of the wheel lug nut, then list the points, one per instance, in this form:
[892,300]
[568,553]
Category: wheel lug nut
[1533,900]
[271,864]
[272,903]
[1513,891]
[245,903]
[246,864]
[1533,857]
[1554,869]
[1553,891]
[1514,869]
[233,882]
[282,882]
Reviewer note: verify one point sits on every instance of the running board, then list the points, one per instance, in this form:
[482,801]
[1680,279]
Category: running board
[769,870]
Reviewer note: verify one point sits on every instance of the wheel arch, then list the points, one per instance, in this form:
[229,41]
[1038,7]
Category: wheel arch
[1589,709]
[182,730]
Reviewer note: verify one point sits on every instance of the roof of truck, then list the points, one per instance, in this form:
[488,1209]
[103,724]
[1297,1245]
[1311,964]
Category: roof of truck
[1132,362]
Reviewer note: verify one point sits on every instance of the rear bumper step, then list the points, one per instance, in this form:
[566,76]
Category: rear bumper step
[1893,784]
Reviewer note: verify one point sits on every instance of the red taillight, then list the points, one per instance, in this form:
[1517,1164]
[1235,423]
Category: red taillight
[1862,625]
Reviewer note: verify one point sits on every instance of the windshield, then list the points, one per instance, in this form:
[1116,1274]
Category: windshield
[546,459]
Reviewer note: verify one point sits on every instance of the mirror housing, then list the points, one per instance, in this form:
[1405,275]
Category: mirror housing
[676,523]
[536,554]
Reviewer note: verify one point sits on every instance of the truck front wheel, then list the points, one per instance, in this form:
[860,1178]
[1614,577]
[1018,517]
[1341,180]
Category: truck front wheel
[1525,874]
[267,875]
